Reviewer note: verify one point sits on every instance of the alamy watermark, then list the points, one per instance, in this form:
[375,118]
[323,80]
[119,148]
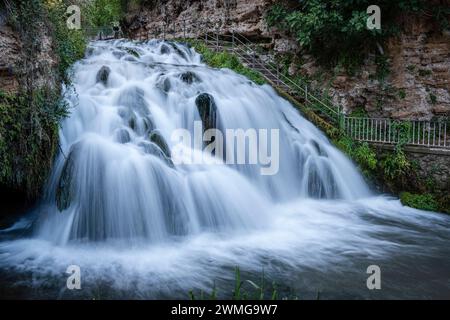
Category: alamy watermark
[250,146]
[374,280]
[374,20]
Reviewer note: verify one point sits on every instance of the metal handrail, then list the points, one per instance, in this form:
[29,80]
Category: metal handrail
[432,134]
[297,87]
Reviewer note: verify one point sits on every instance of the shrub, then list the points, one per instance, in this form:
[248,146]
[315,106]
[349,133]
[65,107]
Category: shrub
[360,152]
[335,30]
[226,60]
[419,201]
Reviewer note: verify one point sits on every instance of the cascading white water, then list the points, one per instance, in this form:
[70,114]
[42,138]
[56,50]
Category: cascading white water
[115,196]
[120,190]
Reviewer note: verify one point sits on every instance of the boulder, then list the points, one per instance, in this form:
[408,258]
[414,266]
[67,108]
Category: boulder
[122,135]
[189,77]
[133,99]
[156,137]
[103,75]
[153,149]
[207,109]
[164,49]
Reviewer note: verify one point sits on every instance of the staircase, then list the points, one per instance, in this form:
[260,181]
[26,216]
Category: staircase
[427,135]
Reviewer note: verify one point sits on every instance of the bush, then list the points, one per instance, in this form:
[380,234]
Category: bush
[70,44]
[335,30]
[419,201]
[360,152]
[226,60]
[396,165]
[29,135]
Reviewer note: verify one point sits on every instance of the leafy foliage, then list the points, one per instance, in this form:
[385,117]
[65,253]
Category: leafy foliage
[29,135]
[361,152]
[419,201]
[335,30]
[70,43]
[226,60]
[99,13]
[244,289]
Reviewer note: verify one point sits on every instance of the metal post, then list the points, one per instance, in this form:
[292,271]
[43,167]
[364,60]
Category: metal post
[278,74]
[217,39]
[232,39]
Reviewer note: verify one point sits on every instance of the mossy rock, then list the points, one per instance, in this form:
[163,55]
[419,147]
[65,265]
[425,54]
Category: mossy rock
[66,189]
[153,149]
[189,77]
[157,138]
[132,52]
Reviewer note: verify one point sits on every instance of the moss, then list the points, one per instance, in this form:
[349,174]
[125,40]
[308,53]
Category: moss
[28,138]
[425,72]
[419,201]
[433,98]
[359,112]
[226,60]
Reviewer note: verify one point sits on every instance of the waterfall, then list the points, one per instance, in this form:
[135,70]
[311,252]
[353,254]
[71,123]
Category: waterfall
[119,194]
[109,183]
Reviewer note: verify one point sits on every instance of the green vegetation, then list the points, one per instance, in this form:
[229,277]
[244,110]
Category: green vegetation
[70,43]
[433,98]
[360,152]
[225,60]
[420,201]
[335,31]
[243,290]
[30,117]
[29,135]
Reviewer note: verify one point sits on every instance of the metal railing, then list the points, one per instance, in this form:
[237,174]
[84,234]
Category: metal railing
[432,134]
[271,72]
[429,134]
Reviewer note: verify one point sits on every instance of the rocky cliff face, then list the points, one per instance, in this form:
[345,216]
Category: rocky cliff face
[418,60]
[418,80]
[10,47]
[17,65]
[198,16]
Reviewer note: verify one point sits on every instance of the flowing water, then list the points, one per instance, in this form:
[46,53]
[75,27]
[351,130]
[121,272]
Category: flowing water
[140,224]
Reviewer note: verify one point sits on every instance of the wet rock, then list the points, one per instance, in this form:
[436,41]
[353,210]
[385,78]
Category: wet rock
[133,98]
[164,49]
[189,77]
[66,189]
[132,52]
[207,109]
[178,51]
[164,85]
[118,54]
[122,136]
[317,147]
[153,149]
[157,138]
[103,75]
